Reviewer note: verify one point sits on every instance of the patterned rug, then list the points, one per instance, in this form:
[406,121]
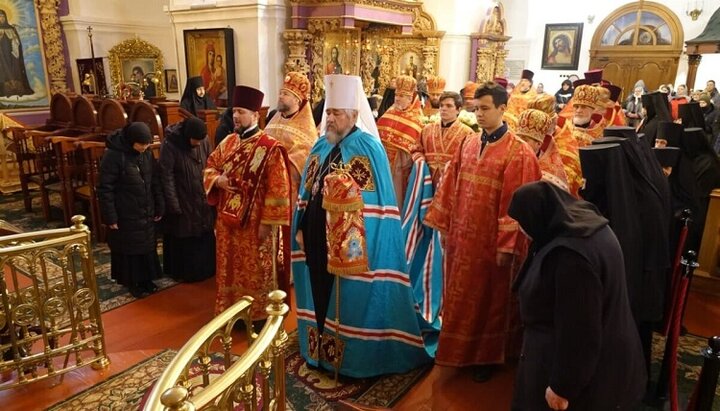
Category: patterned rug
[306,389]
[112,295]
[690,363]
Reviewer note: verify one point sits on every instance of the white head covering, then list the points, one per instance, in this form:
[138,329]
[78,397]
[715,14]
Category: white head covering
[346,92]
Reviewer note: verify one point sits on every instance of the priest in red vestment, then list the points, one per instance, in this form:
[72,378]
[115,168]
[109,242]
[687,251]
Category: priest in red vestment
[435,86]
[441,139]
[484,246]
[577,132]
[293,124]
[520,97]
[536,128]
[247,178]
[400,129]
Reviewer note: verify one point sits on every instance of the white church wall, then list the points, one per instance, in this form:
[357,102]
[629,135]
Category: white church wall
[112,22]
[257,30]
[260,50]
[459,19]
[526,20]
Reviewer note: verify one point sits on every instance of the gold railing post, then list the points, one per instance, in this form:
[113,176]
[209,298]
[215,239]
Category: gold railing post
[238,383]
[58,314]
[176,399]
[279,345]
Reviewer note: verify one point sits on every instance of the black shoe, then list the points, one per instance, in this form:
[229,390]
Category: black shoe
[138,291]
[149,286]
[482,373]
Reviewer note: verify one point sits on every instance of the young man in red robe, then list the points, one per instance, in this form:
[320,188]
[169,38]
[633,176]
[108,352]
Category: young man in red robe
[484,246]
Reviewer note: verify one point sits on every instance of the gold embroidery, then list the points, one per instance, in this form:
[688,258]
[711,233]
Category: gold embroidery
[277,201]
[495,184]
[313,343]
[257,159]
[361,172]
[312,169]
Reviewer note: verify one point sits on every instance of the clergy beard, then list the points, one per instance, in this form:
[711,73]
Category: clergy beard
[581,121]
[333,136]
[283,108]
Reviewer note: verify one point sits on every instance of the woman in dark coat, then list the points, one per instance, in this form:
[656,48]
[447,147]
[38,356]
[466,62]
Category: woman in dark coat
[131,201]
[194,96]
[581,349]
[563,95]
[188,241]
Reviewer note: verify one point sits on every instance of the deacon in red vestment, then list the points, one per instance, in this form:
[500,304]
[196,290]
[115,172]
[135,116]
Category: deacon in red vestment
[441,139]
[247,177]
[400,129]
[484,246]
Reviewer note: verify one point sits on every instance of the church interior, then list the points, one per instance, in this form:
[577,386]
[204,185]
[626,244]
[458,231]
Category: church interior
[75,74]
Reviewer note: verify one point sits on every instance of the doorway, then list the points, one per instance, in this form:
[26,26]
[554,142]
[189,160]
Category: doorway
[639,41]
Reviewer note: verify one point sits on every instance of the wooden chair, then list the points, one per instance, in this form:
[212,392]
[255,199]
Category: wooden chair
[32,165]
[85,117]
[155,149]
[111,116]
[40,167]
[72,171]
[92,153]
[145,112]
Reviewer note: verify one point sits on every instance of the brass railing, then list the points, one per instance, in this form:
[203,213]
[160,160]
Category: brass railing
[256,380]
[49,306]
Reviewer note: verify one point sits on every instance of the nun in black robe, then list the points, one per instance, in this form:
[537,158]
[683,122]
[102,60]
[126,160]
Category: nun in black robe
[194,99]
[683,187]
[657,108]
[579,338]
[611,185]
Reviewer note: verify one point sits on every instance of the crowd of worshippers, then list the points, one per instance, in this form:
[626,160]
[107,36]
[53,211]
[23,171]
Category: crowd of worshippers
[542,236]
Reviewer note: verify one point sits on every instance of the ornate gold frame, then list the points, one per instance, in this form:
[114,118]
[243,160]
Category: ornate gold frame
[135,48]
[385,41]
[392,46]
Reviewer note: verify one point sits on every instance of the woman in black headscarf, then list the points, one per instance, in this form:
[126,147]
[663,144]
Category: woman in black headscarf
[188,241]
[194,97]
[563,95]
[705,163]
[657,109]
[131,201]
[580,350]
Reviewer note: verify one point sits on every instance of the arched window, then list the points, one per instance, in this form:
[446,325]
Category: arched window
[639,24]
[651,30]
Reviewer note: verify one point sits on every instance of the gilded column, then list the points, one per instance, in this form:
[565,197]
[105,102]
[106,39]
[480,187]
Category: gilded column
[297,42]
[500,56]
[430,55]
[485,62]
[53,45]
